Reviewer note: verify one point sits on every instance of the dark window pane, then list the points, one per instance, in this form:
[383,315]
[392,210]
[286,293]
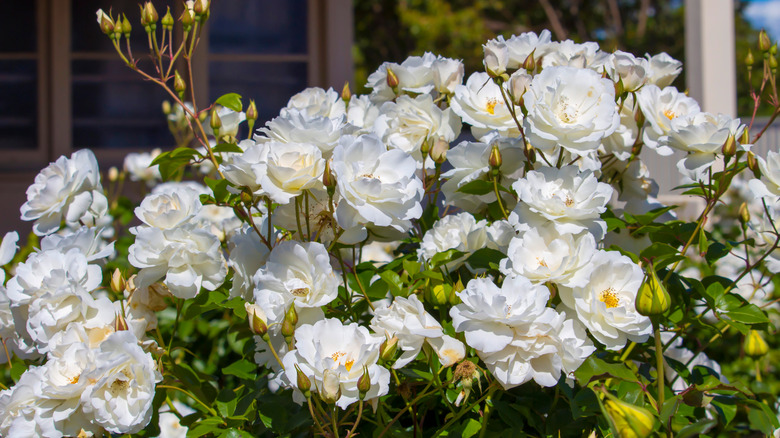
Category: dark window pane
[18,32]
[258,26]
[114,108]
[87,36]
[270,84]
[18,104]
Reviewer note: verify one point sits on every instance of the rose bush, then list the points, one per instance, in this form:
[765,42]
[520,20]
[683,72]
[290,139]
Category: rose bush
[359,265]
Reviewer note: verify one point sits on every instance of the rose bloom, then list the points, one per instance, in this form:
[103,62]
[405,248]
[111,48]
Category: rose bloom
[246,254]
[571,54]
[414,76]
[361,114]
[86,239]
[138,166]
[570,107]
[622,140]
[291,168]
[520,46]
[447,74]
[660,107]
[769,184]
[517,336]
[626,68]
[407,319]
[296,273]
[293,126]
[662,69]
[316,102]
[469,161]
[606,304]
[571,199]
[333,355]
[125,378]
[230,121]
[246,169]
[169,206]
[480,104]
[457,231]
[378,187]
[541,254]
[407,123]
[702,136]
[65,190]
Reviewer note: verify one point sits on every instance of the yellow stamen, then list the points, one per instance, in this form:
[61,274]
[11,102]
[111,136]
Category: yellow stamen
[609,297]
[491,105]
[670,114]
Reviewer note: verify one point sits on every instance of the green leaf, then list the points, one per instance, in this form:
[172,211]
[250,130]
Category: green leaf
[231,100]
[716,251]
[658,250]
[696,429]
[726,408]
[219,188]
[729,301]
[596,369]
[614,223]
[761,420]
[242,369]
[445,257]
[482,258]
[748,314]
[477,187]
[584,404]
[226,402]
[470,428]
[227,147]
[393,281]
[205,427]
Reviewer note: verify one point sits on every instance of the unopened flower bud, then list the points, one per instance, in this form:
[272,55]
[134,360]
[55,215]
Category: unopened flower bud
[117,282]
[166,107]
[729,146]
[120,324]
[167,20]
[496,57]
[118,28]
[619,87]
[105,22]
[346,94]
[328,178]
[388,348]
[179,85]
[126,26]
[291,315]
[744,213]
[187,18]
[773,64]
[331,387]
[149,14]
[530,63]
[364,383]
[629,420]
[246,197]
[439,151]
[755,346]
[530,153]
[518,85]
[113,174]
[652,299]
[495,157]
[251,111]
[749,60]
[639,118]
[392,79]
[425,147]
[201,7]
[753,164]
[304,384]
[215,122]
[256,318]
[773,49]
[288,330]
[763,41]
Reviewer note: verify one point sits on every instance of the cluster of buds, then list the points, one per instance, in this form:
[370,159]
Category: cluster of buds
[114,28]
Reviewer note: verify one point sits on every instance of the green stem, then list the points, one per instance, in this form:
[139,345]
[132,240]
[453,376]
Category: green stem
[190,395]
[659,363]
[334,422]
[498,197]
[357,421]
[463,411]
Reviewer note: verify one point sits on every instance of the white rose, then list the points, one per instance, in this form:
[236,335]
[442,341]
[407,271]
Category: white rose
[63,190]
[230,120]
[514,332]
[495,58]
[361,113]
[407,319]
[21,408]
[168,209]
[87,240]
[606,304]
[702,136]
[541,254]
[246,254]
[378,187]
[296,273]
[414,76]
[409,122]
[138,165]
[330,348]
[316,102]
[187,257]
[660,107]
[571,199]
[291,168]
[480,104]
[769,184]
[469,161]
[126,376]
[570,107]
[662,69]
[447,74]
[457,231]
[245,169]
[7,251]
[520,46]
[625,67]
[621,142]
[295,127]
[568,53]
